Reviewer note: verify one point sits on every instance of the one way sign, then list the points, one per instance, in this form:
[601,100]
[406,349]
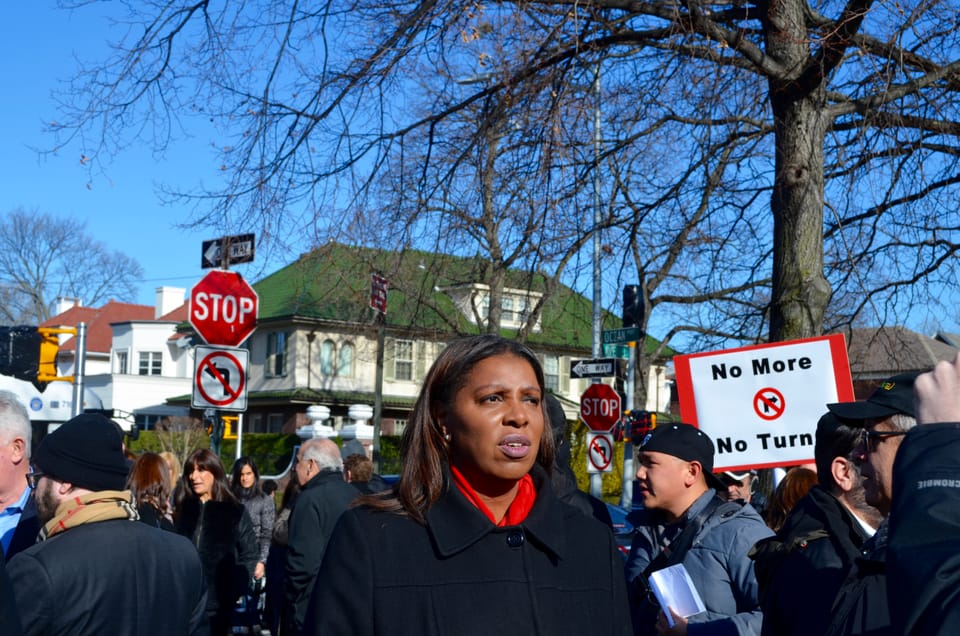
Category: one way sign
[596,368]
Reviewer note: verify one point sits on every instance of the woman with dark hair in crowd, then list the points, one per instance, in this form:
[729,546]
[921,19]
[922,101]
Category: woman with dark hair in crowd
[220,527]
[149,482]
[246,486]
[472,540]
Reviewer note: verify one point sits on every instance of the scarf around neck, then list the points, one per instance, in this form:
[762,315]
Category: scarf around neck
[90,508]
[519,508]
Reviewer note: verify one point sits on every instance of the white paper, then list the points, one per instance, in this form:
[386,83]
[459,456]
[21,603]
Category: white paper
[675,590]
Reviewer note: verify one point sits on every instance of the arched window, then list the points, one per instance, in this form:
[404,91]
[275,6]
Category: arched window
[345,360]
[328,356]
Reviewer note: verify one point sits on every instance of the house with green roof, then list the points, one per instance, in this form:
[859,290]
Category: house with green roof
[316,339]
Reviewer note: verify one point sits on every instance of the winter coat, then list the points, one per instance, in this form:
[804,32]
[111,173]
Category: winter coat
[116,577]
[924,543]
[801,569]
[556,573]
[223,535]
[861,607]
[262,513]
[717,562]
[9,616]
[319,505]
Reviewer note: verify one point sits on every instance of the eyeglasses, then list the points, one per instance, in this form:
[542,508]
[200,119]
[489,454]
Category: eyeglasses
[33,478]
[872,438]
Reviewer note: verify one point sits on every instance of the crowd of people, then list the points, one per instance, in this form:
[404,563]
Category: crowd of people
[483,532]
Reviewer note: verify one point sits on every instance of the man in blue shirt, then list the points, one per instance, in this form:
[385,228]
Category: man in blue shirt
[18,516]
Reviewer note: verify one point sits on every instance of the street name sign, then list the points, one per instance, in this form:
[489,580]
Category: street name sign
[620,336]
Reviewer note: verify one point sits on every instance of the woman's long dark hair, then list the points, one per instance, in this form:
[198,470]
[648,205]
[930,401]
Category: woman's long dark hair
[423,450]
[238,490]
[205,459]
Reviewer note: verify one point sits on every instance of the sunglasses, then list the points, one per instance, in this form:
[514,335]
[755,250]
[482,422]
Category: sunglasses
[873,438]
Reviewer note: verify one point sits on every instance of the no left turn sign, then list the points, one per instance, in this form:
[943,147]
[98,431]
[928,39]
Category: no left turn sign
[599,452]
[220,379]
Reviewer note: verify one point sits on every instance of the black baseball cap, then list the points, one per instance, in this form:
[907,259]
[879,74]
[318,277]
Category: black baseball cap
[686,442]
[894,395]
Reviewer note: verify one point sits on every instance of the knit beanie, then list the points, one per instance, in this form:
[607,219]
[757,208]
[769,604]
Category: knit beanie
[86,451]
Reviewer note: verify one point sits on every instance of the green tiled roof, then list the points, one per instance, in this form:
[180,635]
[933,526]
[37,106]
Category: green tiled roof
[332,283]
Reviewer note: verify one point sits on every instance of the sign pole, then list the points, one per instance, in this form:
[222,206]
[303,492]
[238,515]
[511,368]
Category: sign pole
[378,391]
[626,492]
[239,436]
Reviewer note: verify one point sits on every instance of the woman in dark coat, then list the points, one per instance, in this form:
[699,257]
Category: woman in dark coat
[472,540]
[220,527]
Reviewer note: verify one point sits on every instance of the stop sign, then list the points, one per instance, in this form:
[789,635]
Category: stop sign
[223,308]
[600,407]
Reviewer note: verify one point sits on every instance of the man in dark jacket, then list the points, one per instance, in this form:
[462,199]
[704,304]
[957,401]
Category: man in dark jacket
[923,565]
[97,570]
[323,497]
[861,605]
[18,512]
[801,569]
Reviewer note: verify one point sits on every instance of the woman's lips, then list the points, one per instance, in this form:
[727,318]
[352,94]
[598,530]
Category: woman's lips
[515,446]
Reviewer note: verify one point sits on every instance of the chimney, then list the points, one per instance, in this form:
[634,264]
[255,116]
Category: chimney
[168,299]
[64,303]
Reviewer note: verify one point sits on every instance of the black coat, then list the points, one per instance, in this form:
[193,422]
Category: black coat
[9,616]
[223,535]
[117,577]
[923,564]
[558,572]
[801,569]
[25,534]
[318,507]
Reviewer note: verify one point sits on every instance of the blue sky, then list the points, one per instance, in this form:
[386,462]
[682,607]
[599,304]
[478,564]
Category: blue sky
[39,45]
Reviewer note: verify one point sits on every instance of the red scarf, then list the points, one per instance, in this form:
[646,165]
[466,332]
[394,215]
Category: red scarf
[519,508]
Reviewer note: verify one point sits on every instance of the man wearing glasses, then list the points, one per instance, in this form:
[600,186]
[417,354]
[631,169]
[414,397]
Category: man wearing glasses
[861,606]
[324,496]
[18,513]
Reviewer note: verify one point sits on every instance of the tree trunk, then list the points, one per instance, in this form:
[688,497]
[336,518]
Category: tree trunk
[801,292]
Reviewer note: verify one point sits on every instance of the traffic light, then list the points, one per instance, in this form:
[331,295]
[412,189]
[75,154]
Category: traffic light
[30,353]
[230,423]
[633,309]
[639,423]
[49,348]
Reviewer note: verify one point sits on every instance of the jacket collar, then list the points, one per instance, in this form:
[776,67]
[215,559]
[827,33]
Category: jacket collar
[455,524]
[323,477]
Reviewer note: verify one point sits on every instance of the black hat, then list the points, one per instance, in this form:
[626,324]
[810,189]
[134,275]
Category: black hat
[894,395]
[685,442]
[86,451]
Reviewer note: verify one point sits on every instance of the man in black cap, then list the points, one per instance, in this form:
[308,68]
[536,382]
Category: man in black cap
[861,605]
[685,521]
[96,569]
[801,569]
